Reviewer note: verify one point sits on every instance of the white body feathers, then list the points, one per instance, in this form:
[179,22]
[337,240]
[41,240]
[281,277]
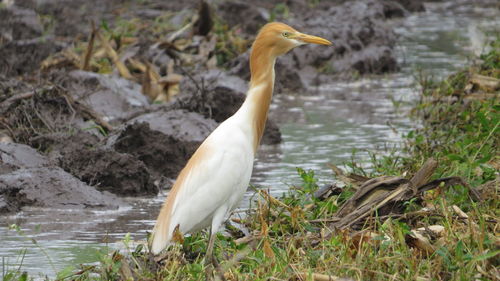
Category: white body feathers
[215,182]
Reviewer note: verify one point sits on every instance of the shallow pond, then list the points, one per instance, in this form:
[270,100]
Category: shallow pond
[324,125]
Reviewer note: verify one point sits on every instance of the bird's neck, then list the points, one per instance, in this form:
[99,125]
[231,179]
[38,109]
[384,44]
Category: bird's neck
[260,92]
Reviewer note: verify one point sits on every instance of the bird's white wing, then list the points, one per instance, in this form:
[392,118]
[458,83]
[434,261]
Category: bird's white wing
[217,179]
[214,180]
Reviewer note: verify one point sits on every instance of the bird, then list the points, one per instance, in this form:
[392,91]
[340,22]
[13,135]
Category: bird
[217,175]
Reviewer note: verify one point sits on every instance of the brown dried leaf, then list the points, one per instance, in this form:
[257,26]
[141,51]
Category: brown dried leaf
[485,82]
[137,65]
[150,84]
[362,237]
[268,251]
[461,214]
[171,79]
[272,200]
[303,276]
[419,242]
[437,230]
[178,236]
[66,58]
[172,91]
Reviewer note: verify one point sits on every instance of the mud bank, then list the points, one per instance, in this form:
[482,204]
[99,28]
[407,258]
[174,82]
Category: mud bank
[85,96]
[28,178]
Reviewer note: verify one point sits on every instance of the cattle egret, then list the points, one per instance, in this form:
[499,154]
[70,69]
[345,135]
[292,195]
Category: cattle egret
[217,175]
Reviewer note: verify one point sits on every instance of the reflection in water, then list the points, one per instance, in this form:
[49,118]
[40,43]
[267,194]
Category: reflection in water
[322,126]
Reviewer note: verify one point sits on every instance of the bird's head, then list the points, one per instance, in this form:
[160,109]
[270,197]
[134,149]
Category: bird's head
[281,38]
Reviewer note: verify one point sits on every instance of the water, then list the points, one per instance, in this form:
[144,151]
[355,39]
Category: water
[321,126]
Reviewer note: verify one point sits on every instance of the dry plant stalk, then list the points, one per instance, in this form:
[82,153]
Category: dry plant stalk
[150,83]
[89,50]
[485,82]
[386,195]
[303,276]
[122,69]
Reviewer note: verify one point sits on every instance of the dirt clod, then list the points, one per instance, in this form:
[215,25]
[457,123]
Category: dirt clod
[109,170]
[28,178]
[164,155]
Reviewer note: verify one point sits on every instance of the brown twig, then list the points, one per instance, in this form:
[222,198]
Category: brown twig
[6,103]
[90,48]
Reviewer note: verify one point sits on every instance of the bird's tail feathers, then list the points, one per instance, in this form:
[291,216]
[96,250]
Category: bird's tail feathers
[161,236]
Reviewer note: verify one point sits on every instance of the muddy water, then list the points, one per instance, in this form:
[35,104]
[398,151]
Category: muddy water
[324,124]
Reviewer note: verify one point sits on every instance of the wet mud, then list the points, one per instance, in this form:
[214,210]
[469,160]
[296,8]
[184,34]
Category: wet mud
[28,178]
[88,137]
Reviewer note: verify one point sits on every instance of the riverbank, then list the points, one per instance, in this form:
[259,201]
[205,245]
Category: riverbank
[445,230]
[116,98]
[356,119]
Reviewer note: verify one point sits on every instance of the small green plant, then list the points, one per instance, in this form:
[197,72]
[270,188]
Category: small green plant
[230,42]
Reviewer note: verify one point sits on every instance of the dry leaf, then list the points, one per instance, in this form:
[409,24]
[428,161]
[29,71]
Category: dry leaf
[418,241]
[268,251]
[361,237]
[150,85]
[178,236]
[172,91]
[64,58]
[321,277]
[437,230]
[137,65]
[461,214]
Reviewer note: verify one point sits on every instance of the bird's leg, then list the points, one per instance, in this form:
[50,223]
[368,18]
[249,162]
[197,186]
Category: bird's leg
[209,256]
[210,259]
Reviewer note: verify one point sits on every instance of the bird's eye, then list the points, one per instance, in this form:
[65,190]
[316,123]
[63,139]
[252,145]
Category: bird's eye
[285,34]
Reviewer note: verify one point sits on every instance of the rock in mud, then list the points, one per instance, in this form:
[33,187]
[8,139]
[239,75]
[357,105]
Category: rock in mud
[108,170]
[111,96]
[362,41]
[14,156]
[218,97]
[28,178]
[182,125]
[49,187]
[164,155]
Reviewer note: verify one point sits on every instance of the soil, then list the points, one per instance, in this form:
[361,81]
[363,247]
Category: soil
[164,155]
[81,134]
[185,126]
[111,96]
[109,170]
[33,51]
[50,187]
[27,178]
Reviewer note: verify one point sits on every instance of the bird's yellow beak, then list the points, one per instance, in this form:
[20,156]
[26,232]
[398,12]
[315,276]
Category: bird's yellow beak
[312,39]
